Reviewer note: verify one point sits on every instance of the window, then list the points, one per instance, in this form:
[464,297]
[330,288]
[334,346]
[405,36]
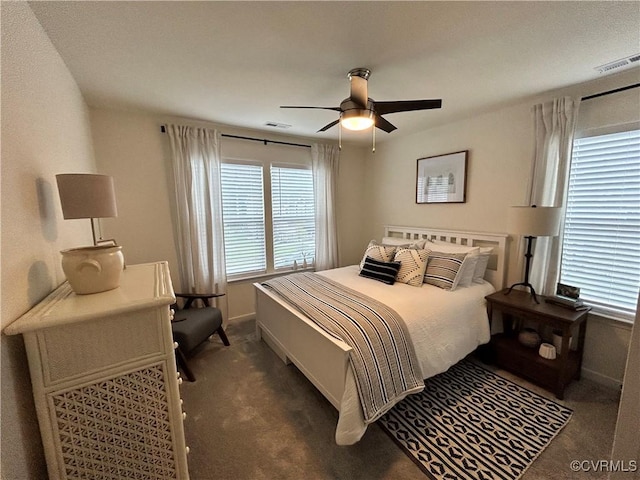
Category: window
[601,251]
[243,218]
[293,213]
[269,217]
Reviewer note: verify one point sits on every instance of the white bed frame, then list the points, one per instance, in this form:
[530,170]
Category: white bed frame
[325,360]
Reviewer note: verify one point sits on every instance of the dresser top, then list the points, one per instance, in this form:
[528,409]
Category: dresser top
[141,286]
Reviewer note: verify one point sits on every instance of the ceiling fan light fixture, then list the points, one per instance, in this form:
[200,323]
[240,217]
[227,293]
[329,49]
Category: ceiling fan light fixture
[357,119]
[359,112]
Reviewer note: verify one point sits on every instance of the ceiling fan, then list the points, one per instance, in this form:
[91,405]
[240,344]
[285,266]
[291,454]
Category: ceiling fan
[359,112]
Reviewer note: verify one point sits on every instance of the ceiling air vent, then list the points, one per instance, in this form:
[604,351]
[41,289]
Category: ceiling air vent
[619,64]
[277,125]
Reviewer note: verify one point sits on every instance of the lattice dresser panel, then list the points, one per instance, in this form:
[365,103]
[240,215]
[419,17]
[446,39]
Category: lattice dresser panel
[117,429]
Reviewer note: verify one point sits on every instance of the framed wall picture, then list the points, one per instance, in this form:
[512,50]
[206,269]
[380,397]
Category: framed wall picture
[442,179]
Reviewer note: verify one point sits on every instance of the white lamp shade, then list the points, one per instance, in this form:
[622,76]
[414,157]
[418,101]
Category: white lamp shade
[85,195]
[534,221]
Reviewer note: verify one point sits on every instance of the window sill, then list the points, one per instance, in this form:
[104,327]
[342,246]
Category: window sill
[611,318]
[265,276]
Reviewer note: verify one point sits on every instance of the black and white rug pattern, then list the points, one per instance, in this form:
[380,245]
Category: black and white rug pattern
[470,423]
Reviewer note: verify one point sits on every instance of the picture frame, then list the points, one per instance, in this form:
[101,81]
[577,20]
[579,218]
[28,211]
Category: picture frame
[568,291]
[442,178]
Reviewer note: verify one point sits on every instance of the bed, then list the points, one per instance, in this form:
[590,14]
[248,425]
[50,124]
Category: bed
[445,326]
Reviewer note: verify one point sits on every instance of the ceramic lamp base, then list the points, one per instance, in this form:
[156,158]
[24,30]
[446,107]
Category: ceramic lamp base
[93,269]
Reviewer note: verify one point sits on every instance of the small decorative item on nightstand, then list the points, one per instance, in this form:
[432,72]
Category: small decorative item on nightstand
[529,338]
[547,351]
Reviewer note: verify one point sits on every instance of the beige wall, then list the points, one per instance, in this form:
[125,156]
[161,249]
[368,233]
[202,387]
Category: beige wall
[501,148]
[131,147]
[45,130]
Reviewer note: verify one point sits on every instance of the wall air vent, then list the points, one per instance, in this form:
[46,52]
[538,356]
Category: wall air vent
[277,125]
[631,61]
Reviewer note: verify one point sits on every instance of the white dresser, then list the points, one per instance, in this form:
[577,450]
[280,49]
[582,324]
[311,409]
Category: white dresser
[105,381]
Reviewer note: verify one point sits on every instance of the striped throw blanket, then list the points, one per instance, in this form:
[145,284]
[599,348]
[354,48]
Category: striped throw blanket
[382,356]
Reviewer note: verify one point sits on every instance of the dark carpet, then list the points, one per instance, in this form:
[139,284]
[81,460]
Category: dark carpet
[251,417]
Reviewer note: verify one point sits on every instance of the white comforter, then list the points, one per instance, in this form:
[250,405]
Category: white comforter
[444,327]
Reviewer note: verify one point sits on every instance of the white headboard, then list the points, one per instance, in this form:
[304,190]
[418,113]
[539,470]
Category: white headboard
[496,269]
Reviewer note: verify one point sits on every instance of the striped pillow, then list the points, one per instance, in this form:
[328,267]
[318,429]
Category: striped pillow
[383,253]
[413,263]
[442,268]
[384,272]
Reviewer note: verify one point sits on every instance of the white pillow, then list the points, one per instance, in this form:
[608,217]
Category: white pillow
[464,278]
[413,263]
[382,253]
[448,247]
[419,244]
[481,264]
[398,242]
[403,242]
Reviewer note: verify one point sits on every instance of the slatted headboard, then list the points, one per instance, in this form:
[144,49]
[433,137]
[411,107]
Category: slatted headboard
[496,269]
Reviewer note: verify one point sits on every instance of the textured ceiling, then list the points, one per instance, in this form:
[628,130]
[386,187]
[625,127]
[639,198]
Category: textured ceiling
[235,63]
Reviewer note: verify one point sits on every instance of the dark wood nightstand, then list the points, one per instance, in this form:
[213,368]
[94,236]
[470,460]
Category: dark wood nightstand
[518,307]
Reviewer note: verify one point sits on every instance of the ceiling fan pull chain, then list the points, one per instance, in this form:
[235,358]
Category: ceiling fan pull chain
[373,150]
[339,136]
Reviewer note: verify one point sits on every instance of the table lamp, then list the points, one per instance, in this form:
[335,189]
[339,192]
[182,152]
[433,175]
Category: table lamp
[532,222]
[97,268]
[86,195]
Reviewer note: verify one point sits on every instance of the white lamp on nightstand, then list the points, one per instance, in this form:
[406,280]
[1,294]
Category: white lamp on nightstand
[532,222]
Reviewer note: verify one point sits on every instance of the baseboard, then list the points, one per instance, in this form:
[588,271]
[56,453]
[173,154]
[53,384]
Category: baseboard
[601,379]
[240,318]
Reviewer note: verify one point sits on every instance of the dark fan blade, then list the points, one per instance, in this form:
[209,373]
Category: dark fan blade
[383,124]
[382,108]
[328,126]
[336,109]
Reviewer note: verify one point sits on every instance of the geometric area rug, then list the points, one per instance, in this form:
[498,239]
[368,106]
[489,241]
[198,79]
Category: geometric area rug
[469,423]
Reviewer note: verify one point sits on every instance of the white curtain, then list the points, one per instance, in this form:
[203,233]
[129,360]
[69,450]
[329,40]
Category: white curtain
[324,161]
[554,128]
[196,171]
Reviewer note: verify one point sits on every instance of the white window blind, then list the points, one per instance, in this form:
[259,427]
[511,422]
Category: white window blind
[601,250]
[243,215]
[293,216]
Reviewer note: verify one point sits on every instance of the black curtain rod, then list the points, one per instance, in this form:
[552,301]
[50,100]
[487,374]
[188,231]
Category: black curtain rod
[263,140]
[616,90]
